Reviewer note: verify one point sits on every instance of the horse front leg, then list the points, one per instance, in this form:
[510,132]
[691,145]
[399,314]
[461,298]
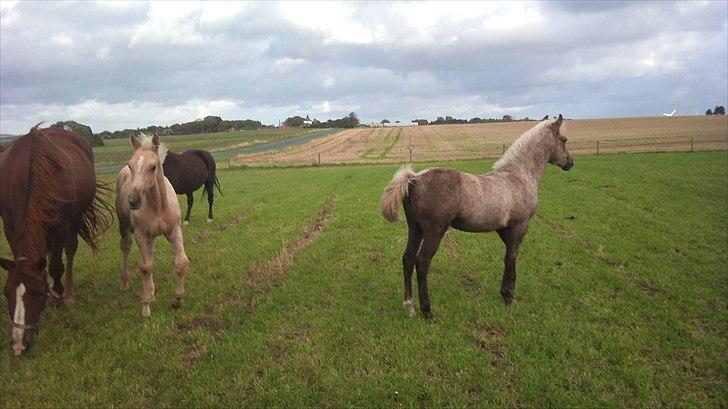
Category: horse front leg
[71,246]
[146,250]
[181,264]
[55,272]
[512,237]
[125,246]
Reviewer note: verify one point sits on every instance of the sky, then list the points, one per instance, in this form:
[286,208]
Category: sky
[116,65]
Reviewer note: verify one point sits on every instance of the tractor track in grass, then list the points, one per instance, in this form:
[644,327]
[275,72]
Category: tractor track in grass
[262,278]
[203,235]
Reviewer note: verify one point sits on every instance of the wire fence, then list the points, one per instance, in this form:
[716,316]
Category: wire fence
[424,153]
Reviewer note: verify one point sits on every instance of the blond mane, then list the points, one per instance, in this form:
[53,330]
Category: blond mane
[146,141]
[521,144]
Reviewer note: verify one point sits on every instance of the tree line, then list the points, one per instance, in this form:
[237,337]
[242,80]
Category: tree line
[349,121]
[719,110]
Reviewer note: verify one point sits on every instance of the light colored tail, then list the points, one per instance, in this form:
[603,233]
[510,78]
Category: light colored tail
[396,191]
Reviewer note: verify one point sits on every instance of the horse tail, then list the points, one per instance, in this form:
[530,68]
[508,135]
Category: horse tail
[98,217]
[211,182]
[396,192]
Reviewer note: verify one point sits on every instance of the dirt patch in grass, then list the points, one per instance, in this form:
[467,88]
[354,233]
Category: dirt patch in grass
[262,279]
[237,219]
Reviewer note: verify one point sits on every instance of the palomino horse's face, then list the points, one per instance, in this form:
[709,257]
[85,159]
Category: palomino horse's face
[26,291]
[559,156]
[145,167]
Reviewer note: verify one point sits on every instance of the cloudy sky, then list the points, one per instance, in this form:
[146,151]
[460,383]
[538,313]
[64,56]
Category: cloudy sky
[114,65]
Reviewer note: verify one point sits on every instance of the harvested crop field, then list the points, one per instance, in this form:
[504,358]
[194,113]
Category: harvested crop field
[468,141]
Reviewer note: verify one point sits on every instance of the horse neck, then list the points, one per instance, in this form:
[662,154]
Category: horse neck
[529,163]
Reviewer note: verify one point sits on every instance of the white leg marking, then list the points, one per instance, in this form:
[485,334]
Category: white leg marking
[19,316]
[410,308]
[209,220]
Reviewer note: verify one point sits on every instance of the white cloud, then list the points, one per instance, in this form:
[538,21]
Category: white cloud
[62,40]
[103,52]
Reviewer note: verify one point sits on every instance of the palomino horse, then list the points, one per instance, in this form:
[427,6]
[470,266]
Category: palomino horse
[189,171]
[147,206]
[503,201]
[48,197]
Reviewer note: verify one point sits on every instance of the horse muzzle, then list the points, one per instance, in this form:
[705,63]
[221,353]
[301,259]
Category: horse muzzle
[568,165]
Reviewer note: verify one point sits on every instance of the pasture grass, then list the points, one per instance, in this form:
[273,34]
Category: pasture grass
[294,299]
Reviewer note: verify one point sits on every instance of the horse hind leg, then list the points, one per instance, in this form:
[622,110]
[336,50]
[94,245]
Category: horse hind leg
[190,202]
[430,244]
[408,262]
[181,265]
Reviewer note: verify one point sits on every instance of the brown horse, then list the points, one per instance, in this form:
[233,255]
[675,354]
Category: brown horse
[503,201]
[147,207]
[48,197]
[189,171]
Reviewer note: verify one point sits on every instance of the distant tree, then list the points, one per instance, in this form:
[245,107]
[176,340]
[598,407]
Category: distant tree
[507,118]
[421,121]
[293,122]
[81,129]
[384,121]
[719,110]
[475,120]
[708,112]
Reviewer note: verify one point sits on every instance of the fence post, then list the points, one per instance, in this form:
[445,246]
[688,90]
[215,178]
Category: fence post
[410,155]
[597,147]
[319,158]
[504,149]
[692,144]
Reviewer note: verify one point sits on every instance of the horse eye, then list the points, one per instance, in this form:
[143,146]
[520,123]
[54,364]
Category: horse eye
[154,168]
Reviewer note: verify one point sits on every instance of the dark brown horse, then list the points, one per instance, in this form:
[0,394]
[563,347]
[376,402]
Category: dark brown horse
[48,197]
[503,201]
[189,171]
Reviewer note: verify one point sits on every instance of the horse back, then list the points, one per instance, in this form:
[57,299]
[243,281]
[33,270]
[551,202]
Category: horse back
[188,170]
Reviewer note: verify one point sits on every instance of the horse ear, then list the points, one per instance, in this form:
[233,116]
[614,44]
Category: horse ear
[135,143]
[6,264]
[155,140]
[557,124]
[545,118]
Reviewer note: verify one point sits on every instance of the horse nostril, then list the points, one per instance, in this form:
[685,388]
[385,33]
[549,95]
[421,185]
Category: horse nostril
[134,203]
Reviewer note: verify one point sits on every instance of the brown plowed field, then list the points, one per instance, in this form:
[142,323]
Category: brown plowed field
[446,142]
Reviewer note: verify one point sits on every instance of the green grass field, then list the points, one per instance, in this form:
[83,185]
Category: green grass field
[294,299]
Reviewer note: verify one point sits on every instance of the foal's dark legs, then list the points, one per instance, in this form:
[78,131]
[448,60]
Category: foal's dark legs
[512,236]
[190,201]
[430,244]
[408,263]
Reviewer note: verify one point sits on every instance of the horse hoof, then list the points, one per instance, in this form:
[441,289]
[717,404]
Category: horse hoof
[70,300]
[176,303]
[124,286]
[428,315]
[186,223]
[146,310]
[409,308]
[508,299]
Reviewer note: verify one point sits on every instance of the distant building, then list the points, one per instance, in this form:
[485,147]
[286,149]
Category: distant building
[392,124]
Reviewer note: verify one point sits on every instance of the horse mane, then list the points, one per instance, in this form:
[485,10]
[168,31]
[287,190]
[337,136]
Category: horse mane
[45,194]
[521,144]
[147,143]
